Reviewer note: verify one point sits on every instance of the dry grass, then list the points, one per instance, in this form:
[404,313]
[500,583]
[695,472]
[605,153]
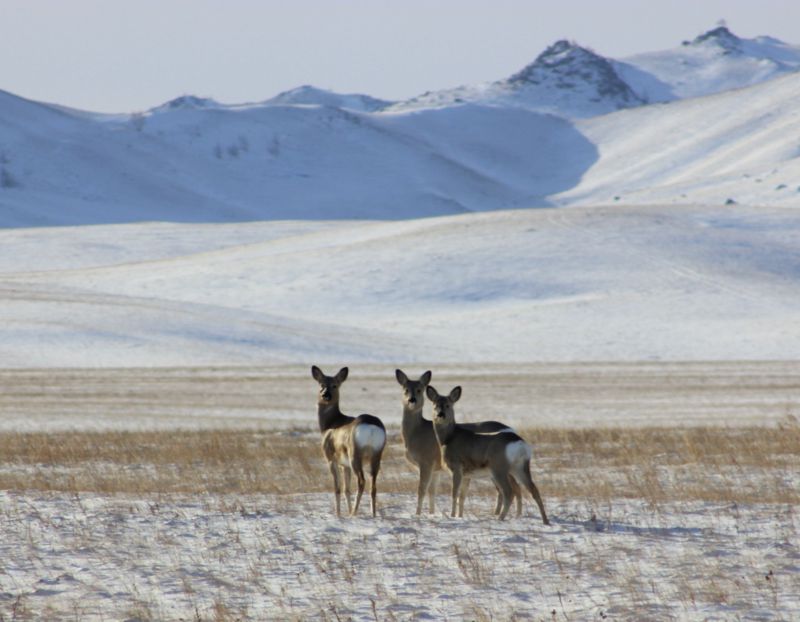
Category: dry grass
[658,465]
[661,465]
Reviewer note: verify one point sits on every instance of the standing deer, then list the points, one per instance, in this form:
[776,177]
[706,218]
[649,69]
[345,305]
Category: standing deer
[347,442]
[507,456]
[422,448]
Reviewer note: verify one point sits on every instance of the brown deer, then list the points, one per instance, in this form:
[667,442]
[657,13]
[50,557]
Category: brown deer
[347,442]
[506,455]
[422,448]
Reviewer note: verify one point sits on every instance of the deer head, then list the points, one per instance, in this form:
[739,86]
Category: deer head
[413,390]
[328,385]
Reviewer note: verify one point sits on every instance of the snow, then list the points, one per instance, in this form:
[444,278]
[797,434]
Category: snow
[99,557]
[702,283]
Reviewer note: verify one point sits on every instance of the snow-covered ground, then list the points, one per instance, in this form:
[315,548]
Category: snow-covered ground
[93,557]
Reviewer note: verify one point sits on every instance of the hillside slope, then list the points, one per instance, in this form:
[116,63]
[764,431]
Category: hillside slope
[194,163]
[738,146]
[622,283]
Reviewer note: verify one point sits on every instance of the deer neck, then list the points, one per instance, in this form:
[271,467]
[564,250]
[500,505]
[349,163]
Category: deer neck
[412,421]
[329,416]
[444,431]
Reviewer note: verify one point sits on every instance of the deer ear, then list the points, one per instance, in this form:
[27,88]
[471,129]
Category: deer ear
[425,378]
[342,375]
[401,377]
[431,393]
[316,373]
[455,395]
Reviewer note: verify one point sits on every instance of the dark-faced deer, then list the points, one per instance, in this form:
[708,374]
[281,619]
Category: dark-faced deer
[348,443]
[506,455]
[422,448]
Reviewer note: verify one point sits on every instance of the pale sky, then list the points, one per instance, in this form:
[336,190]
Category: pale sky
[130,55]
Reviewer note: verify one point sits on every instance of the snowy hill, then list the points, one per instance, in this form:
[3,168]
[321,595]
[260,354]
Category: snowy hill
[313,154]
[738,146]
[617,283]
[194,160]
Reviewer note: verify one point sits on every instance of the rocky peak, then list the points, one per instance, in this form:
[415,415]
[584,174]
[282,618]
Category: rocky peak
[567,66]
[187,102]
[311,95]
[721,37]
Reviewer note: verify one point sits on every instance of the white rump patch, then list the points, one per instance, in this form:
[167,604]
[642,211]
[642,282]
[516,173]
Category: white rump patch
[370,436]
[518,452]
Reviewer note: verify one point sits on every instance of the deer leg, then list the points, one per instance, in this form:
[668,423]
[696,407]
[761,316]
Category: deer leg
[516,492]
[456,491]
[375,466]
[337,487]
[358,467]
[432,491]
[425,476]
[503,483]
[348,475]
[462,496]
[528,481]
[499,504]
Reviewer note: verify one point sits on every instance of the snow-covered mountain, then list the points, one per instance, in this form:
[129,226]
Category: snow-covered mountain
[574,81]
[195,163]
[713,62]
[570,128]
[565,79]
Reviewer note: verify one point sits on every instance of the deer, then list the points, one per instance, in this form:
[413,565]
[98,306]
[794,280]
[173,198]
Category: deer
[506,456]
[422,448]
[348,443]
